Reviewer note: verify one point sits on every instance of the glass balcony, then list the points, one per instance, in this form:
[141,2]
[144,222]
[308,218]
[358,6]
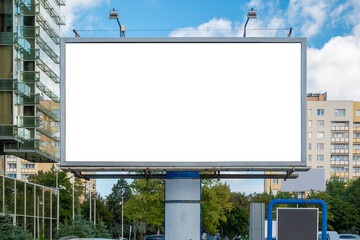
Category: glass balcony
[24,133]
[47,70]
[29,55]
[7,38]
[50,109]
[48,29]
[27,8]
[47,132]
[28,32]
[47,91]
[29,76]
[33,99]
[30,144]
[6,84]
[61,2]
[29,121]
[22,88]
[59,18]
[8,131]
[47,49]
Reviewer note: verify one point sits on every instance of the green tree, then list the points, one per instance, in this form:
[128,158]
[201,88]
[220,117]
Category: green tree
[82,228]
[8,231]
[238,217]
[215,204]
[146,206]
[49,179]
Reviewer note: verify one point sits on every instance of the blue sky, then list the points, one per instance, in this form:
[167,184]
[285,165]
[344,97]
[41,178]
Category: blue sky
[332,28]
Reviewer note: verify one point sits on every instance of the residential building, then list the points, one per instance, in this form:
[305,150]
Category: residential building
[333,138]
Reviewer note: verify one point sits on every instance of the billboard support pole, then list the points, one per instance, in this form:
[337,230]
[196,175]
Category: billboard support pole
[182,206]
[298,201]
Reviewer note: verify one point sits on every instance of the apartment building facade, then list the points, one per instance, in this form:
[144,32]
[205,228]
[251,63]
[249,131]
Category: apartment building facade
[333,138]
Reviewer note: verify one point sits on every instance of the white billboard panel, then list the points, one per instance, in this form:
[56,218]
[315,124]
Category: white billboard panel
[189,103]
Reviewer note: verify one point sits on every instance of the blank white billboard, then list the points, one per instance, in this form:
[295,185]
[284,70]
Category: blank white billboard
[183,104]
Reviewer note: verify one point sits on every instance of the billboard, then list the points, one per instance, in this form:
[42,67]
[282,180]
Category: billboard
[171,103]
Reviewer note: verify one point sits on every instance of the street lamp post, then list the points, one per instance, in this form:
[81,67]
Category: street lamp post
[114,14]
[122,217]
[251,14]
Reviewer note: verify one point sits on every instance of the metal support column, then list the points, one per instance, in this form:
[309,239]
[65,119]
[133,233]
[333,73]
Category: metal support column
[15,203]
[25,206]
[51,220]
[182,206]
[43,210]
[90,199]
[34,211]
[257,221]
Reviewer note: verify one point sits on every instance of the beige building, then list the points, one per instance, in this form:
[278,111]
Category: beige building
[333,138]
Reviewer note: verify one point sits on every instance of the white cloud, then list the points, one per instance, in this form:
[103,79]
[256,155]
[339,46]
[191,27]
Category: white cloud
[335,68]
[311,14]
[72,10]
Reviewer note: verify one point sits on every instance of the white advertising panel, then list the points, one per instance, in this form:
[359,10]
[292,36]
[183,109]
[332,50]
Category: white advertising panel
[182,102]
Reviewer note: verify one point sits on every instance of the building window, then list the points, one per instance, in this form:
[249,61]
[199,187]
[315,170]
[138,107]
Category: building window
[275,181]
[12,175]
[310,123]
[320,146]
[310,135]
[356,157]
[356,124]
[26,176]
[28,166]
[357,135]
[309,146]
[340,158]
[320,158]
[12,165]
[339,169]
[320,123]
[320,135]
[320,167]
[309,158]
[339,146]
[309,112]
[357,147]
[320,112]
[357,113]
[339,112]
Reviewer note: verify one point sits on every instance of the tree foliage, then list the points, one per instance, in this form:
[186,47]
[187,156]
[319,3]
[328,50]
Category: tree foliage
[214,205]
[9,231]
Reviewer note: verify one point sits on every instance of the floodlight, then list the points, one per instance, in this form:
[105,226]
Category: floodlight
[252,14]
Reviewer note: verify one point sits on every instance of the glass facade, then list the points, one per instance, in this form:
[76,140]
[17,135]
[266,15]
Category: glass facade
[29,78]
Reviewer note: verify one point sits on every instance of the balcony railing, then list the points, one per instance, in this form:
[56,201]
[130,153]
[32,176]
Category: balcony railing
[47,70]
[356,129]
[29,55]
[24,133]
[47,49]
[356,163]
[48,133]
[339,128]
[356,151]
[6,84]
[29,76]
[356,174]
[340,139]
[28,32]
[48,29]
[22,88]
[340,174]
[343,163]
[341,151]
[48,112]
[33,99]
[356,140]
[47,91]
[29,121]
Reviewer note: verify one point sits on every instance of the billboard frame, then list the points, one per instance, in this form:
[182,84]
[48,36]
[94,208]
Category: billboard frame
[136,166]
